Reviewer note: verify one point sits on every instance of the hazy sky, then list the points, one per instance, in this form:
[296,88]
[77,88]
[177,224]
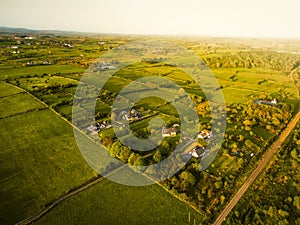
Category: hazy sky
[247,18]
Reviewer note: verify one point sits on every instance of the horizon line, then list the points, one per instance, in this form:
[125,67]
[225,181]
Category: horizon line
[151,34]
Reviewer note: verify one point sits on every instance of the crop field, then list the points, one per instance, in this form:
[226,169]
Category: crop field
[110,203]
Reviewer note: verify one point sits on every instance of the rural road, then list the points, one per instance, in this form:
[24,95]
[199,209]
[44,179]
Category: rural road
[265,159]
[68,195]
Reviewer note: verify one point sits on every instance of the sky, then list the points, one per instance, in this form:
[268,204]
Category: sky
[220,18]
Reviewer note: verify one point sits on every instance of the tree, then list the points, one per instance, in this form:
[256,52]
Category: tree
[157,156]
[247,122]
[135,159]
[296,202]
[187,178]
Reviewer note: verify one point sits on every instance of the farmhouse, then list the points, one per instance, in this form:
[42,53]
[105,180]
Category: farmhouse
[30,63]
[169,132]
[198,151]
[67,45]
[132,115]
[205,134]
[93,129]
[103,125]
[266,102]
[46,62]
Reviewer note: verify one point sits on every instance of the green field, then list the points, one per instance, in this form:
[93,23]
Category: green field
[7,90]
[18,72]
[16,104]
[111,203]
[39,160]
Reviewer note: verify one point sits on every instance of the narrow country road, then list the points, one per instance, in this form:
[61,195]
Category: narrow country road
[68,195]
[265,159]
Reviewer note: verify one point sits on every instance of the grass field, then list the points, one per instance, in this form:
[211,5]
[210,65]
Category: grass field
[39,160]
[111,203]
[39,70]
[7,90]
[16,104]
[249,82]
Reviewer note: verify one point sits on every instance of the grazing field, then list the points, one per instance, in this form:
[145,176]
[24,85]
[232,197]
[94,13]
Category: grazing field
[16,104]
[7,90]
[238,84]
[39,161]
[18,72]
[110,203]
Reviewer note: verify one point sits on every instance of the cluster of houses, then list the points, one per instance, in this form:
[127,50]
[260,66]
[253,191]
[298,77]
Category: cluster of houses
[133,115]
[266,102]
[107,65]
[97,127]
[33,63]
[197,152]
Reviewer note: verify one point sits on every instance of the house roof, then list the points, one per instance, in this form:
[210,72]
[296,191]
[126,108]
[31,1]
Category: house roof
[170,130]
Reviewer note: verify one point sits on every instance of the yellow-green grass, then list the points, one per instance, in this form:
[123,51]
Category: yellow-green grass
[39,70]
[253,82]
[6,90]
[39,161]
[115,84]
[111,203]
[32,82]
[16,104]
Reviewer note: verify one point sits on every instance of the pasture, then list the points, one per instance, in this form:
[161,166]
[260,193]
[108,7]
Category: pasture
[39,159]
[111,203]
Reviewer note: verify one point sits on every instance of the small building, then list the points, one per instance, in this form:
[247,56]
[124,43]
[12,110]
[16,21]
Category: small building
[198,152]
[29,38]
[93,129]
[103,125]
[132,115]
[266,102]
[30,63]
[67,45]
[205,134]
[46,62]
[169,132]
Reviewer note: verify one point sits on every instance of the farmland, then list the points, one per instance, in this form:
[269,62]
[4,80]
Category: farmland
[275,195]
[40,160]
[108,202]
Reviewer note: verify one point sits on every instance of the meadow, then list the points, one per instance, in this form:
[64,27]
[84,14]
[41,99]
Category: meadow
[111,203]
[39,159]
